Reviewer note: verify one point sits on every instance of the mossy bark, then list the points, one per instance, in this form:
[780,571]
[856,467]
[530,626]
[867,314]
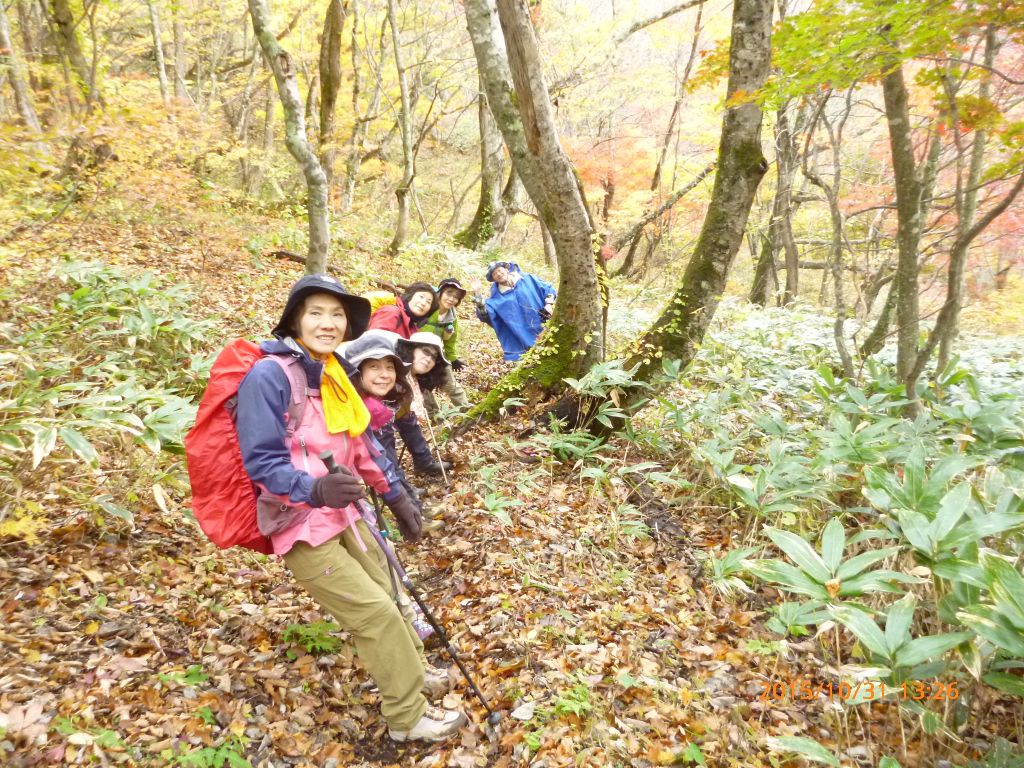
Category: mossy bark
[741,166]
[67,32]
[510,68]
[909,220]
[540,371]
[491,218]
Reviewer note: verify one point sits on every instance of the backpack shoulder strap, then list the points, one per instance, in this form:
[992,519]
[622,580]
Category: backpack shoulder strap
[300,389]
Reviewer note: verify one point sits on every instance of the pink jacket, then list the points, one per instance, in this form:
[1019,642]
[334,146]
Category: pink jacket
[320,524]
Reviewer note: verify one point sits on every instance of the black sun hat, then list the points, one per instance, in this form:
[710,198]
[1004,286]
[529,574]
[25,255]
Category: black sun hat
[356,307]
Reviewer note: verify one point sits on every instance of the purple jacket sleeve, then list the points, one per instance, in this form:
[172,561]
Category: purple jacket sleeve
[262,404]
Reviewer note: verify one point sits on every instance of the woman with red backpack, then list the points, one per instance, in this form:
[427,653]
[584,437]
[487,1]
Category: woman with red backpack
[315,519]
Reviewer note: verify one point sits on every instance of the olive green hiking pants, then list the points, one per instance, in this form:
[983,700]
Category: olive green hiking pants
[356,589]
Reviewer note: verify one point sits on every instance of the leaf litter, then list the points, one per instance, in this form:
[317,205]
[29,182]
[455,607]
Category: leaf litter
[141,646]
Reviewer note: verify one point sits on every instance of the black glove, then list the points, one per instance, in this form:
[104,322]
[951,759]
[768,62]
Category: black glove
[458,365]
[337,489]
[407,513]
[544,313]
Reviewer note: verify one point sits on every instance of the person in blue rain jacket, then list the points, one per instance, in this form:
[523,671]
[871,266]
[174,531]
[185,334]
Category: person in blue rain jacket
[517,308]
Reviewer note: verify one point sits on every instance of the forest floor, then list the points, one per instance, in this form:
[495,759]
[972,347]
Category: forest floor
[598,637]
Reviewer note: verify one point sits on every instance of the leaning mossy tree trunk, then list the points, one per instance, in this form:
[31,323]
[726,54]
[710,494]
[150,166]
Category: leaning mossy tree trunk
[509,64]
[295,136]
[741,165]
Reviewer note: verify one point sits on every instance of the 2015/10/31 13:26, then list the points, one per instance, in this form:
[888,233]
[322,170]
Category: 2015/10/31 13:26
[809,689]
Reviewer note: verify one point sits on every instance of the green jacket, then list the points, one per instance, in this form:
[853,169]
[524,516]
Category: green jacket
[447,329]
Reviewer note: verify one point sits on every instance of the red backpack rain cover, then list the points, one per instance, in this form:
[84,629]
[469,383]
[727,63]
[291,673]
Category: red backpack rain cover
[223,495]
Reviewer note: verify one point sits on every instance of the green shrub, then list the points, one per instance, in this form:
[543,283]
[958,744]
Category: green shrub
[111,353]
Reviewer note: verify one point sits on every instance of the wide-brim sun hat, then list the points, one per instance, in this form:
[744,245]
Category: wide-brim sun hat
[375,344]
[451,282]
[424,339]
[356,307]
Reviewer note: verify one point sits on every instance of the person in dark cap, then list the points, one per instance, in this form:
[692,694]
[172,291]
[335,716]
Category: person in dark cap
[444,322]
[517,308]
[314,518]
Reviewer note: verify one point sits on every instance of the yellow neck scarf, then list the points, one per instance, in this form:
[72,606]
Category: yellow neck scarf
[344,410]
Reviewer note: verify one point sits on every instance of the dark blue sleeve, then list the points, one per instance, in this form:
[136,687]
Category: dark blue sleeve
[481,312]
[380,458]
[262,404]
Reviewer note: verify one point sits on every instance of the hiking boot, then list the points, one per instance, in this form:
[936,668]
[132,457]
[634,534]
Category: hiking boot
[434,468]
[435,681]
[436,725]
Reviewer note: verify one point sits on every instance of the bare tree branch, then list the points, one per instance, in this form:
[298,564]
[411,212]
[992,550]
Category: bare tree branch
[672,199]
[643,23]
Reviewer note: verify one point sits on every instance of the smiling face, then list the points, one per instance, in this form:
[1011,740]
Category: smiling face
[450,298]
[500,275]
[421,302]
[423,360]
[378,376]
[322,324]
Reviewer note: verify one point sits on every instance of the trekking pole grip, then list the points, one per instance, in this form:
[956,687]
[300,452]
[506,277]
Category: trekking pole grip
[327,457]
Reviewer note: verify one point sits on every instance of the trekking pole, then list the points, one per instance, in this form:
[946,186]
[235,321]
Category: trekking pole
[437,450]
[383,539]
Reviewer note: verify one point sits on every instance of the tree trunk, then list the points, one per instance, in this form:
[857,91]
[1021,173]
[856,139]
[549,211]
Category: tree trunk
[780,228]
[765,281]
[491,218]
[834,128]
[741,165]
[626,267]
[876,339]
[909,214]
[405,117]
[352,161]
[31,26]
[968,209]
[510,67]
[72,50]
[295,136]
[180,65]
[10,60]
[158,49]
[550,257]
[257,169]
[330,83]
